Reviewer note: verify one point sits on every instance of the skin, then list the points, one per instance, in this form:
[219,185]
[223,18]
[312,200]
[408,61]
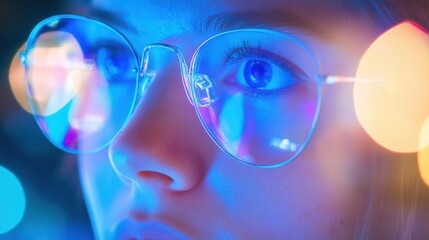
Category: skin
[163,176]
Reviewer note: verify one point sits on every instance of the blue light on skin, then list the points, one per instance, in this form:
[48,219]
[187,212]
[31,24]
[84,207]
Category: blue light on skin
[12,200]
[232,121]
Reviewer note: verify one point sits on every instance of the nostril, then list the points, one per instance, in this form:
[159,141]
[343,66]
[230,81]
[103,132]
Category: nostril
[155,177]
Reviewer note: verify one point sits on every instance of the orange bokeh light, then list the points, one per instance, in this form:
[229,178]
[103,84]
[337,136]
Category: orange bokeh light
[17,81]
[423,156]
[393,101]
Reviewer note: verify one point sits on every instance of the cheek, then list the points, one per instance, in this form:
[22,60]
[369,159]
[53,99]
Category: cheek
[286,200]
[340,147]
[101,186]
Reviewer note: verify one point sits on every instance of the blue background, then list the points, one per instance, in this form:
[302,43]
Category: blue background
[55,208]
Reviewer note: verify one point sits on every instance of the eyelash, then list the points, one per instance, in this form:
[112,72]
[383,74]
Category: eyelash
[245,50]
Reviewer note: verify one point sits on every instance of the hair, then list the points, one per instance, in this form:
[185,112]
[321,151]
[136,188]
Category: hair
[397,199]
[386,13]
[398,204]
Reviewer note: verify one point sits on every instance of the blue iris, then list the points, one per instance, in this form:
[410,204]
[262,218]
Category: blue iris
[257,73]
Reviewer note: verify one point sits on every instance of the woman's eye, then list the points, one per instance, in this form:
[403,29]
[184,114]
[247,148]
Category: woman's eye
[114,64]
[257,73]
[264,76]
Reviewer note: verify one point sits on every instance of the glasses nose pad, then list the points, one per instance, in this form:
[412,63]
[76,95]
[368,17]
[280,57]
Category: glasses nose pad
[203,90]
[146,77]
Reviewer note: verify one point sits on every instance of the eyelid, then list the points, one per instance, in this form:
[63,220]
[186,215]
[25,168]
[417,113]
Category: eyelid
[105,44]
[113,47]
[245,51]
[238,54]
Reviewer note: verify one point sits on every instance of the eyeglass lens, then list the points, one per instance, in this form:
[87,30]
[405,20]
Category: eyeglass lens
[263,101]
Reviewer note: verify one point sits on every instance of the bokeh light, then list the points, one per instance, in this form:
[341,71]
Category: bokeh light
[12,200]
[392,101]
[423,155]
[54,74]
[17,81]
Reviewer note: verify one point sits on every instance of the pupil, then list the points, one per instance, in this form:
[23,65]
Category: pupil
[257,73]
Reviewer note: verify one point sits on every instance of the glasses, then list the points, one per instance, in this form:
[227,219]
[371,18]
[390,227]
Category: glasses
[256,92]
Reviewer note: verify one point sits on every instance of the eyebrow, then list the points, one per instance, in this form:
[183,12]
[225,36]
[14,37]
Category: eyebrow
[110,17]
[255,19]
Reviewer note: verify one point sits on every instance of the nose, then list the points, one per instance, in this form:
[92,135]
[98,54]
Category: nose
[163,143]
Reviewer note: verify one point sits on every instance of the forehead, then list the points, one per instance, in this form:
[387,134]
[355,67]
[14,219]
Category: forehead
[174,17]
[208,5]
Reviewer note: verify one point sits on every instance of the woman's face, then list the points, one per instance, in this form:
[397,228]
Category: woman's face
[165,177]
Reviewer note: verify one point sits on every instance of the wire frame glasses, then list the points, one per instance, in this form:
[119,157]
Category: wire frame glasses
[256,92]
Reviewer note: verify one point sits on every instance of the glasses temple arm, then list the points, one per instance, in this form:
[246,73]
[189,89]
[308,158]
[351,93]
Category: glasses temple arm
[334,79]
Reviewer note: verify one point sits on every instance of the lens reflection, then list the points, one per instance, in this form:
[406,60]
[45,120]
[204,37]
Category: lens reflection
[57,71]
[81,82]
[266,98]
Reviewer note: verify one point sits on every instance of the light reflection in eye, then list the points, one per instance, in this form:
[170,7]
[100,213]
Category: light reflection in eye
[392,111]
